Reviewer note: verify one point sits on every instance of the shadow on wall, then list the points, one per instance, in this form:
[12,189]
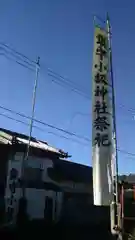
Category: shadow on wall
[79,208]
[2,209]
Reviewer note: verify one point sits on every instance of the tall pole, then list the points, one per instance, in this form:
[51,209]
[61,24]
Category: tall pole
[101,133]
[114,113]
[31,123]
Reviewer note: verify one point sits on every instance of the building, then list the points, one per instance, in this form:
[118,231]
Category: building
[52,183]
[77,191]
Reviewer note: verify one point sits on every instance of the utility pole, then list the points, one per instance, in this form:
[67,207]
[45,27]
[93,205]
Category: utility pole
[115,177]
[31,125]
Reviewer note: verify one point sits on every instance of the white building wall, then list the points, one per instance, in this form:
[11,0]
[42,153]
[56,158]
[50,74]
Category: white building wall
[35,197]
[35,203]
[12,199]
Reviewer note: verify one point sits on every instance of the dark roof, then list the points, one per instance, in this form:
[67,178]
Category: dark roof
[128,178]
[7,137]
[15,134]
[66,170]
[63,170]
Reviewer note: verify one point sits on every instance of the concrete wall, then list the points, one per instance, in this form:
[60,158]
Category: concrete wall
[12,196]
[35,197]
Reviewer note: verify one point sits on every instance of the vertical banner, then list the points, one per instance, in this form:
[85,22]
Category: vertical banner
[102,120]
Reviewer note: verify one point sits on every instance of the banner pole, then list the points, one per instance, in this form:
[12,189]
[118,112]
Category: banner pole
[116,191]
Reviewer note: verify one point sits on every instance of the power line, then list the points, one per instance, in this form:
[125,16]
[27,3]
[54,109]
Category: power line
[18,53]
[56,128]
[18,60]
[73,85]
[11,59]
[46,124]
[63,83]
[43,130]
[126,152]
[7,52]
[57,78]
[131,110]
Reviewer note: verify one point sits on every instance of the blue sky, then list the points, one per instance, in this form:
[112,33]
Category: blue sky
[61,33]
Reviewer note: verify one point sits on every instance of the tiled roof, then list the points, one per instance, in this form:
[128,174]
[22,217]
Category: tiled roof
[68,170]
[7,136]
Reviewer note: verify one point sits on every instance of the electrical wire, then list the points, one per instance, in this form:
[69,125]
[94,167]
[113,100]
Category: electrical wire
[74,89]
[73,85]
[16,52]
[11,59]
[56,78]
[43,130]
[46,124]
[7,52]
[59,129]
[126,152]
